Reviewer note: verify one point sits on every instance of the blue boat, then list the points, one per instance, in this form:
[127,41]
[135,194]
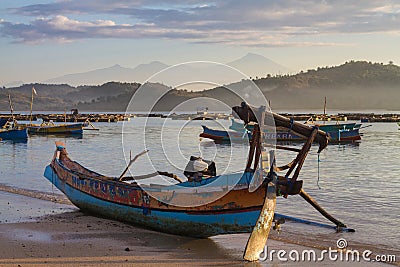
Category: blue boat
[233,136]
[14,134]
[348,132]
[205,205]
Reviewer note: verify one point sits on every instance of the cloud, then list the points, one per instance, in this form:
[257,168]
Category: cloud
[63,29]
[252,23]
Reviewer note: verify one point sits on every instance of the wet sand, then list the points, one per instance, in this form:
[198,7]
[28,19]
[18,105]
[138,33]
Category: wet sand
[74,238]
[71,238]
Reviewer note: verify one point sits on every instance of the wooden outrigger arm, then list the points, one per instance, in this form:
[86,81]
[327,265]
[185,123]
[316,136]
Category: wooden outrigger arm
[277,185]
[321,210]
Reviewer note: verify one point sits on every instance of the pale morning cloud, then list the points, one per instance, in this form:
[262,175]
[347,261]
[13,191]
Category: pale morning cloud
[247,23]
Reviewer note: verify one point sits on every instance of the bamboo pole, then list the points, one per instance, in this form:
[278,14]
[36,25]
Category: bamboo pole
[30,114]
[11,108]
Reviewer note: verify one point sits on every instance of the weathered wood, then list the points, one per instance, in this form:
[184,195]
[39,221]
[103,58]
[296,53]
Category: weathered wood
[258,237]
[250,156]
[314,203]
[131,162]
[303,154]
[259,148]
[247,114]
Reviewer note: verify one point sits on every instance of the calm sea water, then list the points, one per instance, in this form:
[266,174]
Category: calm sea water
[359,184]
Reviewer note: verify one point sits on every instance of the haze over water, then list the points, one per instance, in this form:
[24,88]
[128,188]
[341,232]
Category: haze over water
[359,183]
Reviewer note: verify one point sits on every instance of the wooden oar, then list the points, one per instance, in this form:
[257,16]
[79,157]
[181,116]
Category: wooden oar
[130,163]
[259,235]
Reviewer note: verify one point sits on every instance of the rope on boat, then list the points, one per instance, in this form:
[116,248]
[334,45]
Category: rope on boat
[291,124]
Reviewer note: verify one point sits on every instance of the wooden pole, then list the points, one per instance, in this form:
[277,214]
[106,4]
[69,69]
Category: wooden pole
[259,236]
[11,108]
[307,147]
[325,111]
[253,143]
[30,114]
[130,163]
[314,203]
[303,152]
[258,147]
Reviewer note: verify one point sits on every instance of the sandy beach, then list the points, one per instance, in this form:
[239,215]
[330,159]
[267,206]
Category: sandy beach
[69,237]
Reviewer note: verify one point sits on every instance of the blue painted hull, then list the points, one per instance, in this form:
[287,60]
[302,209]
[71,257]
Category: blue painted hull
[3,122]
[230,136]
[195,224]
[14,134]
[345,135]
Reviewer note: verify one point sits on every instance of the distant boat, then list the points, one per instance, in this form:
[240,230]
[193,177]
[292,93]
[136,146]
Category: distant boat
[51,128]
[341,135]
[337,132]
[15,133]
[333,127]
[234,136]
[9,130]
[239,126]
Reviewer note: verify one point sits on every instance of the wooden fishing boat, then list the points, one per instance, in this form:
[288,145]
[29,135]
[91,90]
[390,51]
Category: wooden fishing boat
[334,127]
[229,203]
[236,212]
[51,128]
[239,126]
[244,136]
[10,130]
[280,135]
[14,133]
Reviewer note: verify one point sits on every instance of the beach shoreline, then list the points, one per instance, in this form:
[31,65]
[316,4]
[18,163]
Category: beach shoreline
[77,239]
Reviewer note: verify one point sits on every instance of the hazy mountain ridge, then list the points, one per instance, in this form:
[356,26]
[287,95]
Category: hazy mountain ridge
[262,65]
[351,86]
[250,64]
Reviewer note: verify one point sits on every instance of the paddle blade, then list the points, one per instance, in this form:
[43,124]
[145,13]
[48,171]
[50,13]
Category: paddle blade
[259,235]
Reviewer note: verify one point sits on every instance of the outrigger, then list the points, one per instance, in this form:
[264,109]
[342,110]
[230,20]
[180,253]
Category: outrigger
[215,204]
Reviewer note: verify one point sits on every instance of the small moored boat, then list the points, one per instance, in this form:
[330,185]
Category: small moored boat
[15,133]
[51,128]
[336,136]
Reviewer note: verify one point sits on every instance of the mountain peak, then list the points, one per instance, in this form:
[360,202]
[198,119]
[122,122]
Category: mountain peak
[258,65]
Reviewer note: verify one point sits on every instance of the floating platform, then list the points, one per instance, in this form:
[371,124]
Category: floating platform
[115,117]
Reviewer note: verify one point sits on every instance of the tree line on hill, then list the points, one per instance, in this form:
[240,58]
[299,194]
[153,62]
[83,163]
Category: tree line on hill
[354,85]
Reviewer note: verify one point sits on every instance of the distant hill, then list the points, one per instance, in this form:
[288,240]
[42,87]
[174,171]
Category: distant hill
[54,97]
[351,86]
[354,85]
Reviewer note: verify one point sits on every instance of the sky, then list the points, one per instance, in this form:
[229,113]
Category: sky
[43,39]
